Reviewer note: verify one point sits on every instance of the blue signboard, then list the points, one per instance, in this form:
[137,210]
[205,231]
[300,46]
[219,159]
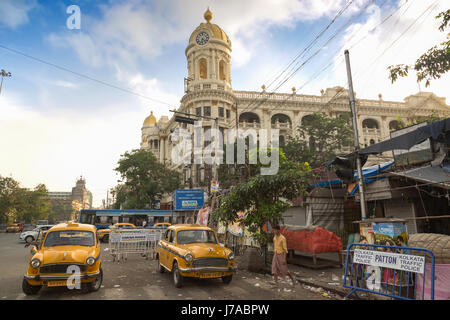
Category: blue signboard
[188,199]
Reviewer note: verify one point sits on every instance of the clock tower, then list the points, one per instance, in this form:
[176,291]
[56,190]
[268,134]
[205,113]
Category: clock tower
[208,57]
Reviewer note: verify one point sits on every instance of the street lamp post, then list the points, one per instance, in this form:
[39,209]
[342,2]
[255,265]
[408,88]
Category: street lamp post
[3,74]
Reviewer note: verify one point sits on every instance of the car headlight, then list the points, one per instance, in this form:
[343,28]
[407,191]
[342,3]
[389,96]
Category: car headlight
[35,263]
[231,256]
[188,257]
[90,261]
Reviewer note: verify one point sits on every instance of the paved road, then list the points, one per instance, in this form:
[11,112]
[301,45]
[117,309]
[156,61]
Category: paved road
[137,278]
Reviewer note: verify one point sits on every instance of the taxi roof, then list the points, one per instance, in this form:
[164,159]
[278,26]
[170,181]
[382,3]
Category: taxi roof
[74,226]
[188,227]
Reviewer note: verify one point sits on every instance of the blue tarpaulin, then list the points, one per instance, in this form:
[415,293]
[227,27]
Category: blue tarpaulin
[368,172]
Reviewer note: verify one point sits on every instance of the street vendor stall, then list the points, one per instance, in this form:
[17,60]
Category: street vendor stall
[311,239]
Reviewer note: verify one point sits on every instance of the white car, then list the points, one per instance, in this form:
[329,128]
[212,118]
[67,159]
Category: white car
[29,236]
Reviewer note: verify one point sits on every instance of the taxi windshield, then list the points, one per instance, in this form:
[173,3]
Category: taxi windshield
[196,236]
[69,238]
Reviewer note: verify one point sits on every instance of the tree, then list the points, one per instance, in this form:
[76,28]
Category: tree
[8,186]
[145,180]
[264,197]
[32,205]
[319,139]
[429,119]
[22,204]
[432,64]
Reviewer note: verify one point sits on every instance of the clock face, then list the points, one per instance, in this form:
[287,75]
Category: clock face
[202,38]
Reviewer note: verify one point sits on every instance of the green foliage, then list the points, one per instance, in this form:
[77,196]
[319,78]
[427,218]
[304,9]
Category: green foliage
[146,180]
[264,197]
[21,204]
[8,187]
[430,65]
[319,139]
[429,119]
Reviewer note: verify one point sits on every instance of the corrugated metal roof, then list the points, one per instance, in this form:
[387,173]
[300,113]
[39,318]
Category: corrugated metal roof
[439,175]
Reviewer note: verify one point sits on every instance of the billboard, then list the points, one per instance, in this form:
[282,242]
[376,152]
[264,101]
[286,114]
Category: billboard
[188,199]
[417,154]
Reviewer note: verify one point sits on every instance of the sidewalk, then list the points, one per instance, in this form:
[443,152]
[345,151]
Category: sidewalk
[325,278]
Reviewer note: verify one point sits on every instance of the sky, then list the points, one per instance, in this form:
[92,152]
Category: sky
[77,98]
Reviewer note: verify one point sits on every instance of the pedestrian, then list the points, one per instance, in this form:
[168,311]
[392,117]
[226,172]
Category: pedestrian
[144,223]
[279,263]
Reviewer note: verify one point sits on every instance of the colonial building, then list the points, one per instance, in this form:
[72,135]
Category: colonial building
[208,92]
[64,202]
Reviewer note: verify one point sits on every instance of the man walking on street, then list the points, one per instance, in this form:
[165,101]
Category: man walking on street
[279,263]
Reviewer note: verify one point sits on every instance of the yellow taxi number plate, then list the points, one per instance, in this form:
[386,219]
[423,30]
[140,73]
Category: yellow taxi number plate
[59,283]
[210,275]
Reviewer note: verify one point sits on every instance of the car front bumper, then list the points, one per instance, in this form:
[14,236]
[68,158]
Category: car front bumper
[207,269]
[40,277]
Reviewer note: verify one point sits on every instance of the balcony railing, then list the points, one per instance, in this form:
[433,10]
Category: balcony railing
[245,125]
[371,131]
[281,125]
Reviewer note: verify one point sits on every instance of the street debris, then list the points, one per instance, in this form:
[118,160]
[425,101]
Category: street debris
[334,283]
[334,277]
[121,277]
[116,285]
[257,285]
[325,295]
[106,249]
[287,290]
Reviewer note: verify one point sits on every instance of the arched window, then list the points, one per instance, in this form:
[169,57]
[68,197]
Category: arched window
[372,141]
[393,125]
[203,68]
[282,141]
[307,119]
[370,123]
[249,117]
[222,73]
[282,118]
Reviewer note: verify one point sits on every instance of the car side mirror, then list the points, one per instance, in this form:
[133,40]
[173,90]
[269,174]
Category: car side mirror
[33,249]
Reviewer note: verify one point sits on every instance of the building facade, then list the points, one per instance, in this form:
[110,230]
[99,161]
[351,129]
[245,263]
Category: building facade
[209,92]
[79,198]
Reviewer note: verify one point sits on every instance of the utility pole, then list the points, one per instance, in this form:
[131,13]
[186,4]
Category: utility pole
[355,130]
[3,74]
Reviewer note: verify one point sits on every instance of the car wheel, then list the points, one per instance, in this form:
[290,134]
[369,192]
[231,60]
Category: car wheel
[29,289]
[177,277]
[159,266]
[97,283]
[227,279]
[29,239]
[106,239]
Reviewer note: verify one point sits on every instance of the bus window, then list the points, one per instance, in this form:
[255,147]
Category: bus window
[114,220]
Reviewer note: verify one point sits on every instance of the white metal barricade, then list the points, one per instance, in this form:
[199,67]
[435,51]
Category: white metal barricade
[133,241]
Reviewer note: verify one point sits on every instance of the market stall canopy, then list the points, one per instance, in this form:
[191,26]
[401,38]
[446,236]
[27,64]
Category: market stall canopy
[437,175]
[370,174]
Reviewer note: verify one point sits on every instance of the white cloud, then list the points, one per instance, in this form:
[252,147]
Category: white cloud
[138,29]
[54,148]
[14,13]
[379,49]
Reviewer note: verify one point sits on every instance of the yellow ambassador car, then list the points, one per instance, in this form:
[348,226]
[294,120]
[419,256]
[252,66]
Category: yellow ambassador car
[103,234]
[68,255]
[193,251]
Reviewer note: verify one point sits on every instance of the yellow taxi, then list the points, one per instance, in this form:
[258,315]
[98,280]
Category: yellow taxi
[193,251]
[162,225]
[68,255]
[103,234]
[16,227]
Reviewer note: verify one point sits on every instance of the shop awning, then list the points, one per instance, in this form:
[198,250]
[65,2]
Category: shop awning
[370,174]
[438,175]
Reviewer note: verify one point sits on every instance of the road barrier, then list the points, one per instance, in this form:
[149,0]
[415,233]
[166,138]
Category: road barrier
[133,241]
[391,271]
